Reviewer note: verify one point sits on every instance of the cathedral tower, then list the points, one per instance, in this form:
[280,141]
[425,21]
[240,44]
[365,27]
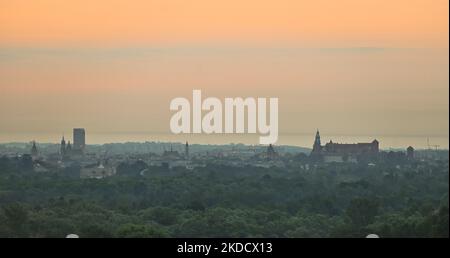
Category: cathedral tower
[62,149]
[317,147]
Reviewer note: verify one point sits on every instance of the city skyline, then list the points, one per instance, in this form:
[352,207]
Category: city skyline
[294,140]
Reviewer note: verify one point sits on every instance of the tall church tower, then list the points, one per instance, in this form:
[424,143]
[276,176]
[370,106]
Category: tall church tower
[62,149]
[317,147]
[186,151]
[34,151]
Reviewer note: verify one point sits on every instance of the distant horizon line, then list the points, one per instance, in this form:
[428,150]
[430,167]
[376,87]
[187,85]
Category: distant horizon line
[212,144]
[294,139]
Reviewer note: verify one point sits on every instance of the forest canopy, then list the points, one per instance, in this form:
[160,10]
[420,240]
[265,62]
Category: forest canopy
[226,201]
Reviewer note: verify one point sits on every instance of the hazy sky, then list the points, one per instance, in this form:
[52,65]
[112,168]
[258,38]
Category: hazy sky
[366,67]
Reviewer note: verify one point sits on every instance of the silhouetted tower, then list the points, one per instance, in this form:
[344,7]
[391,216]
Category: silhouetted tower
[271,153]
[317,147]
[69,148]
[79,139]
[34,151]
[62,148]
[410,152]
[375,146]
[186,150]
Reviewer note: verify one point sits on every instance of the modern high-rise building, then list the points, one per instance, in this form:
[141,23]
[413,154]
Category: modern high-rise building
[79,139]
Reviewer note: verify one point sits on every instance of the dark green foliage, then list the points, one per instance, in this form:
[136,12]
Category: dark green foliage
[221,201]
[362,211]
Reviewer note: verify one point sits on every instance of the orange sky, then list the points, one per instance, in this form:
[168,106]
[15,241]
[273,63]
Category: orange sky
[382,23]
[370,67]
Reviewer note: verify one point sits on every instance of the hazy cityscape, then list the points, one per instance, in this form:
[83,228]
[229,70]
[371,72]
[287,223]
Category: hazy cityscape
[169,189]
[102,160]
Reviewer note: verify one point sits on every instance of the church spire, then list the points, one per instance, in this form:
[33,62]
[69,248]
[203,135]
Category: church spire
[62,150]
[186,150]
[317,140]
[34,151]
[317,147]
